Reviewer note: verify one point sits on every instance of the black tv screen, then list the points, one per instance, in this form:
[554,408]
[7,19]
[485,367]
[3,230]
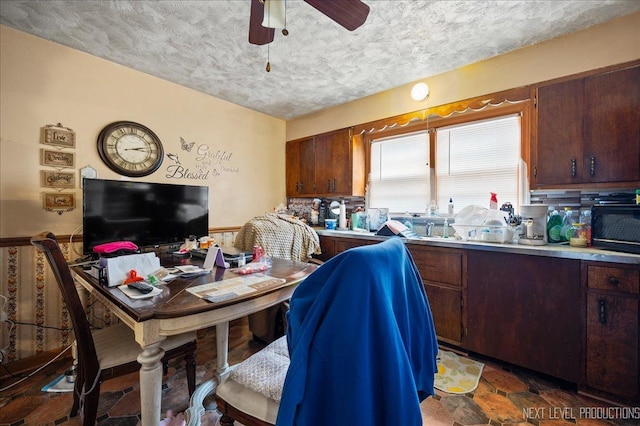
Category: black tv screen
[147,214]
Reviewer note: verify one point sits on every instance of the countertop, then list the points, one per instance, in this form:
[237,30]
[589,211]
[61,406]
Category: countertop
[550,250]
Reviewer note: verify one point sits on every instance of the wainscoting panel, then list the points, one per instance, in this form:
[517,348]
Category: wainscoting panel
[38,318]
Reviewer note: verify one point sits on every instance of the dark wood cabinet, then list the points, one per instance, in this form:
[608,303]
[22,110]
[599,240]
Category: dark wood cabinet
[612,329]
[588,131]
[300,168]
[443,275]
[330,164]
[525,310]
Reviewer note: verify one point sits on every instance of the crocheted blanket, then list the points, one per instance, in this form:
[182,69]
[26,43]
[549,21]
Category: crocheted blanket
[280,236]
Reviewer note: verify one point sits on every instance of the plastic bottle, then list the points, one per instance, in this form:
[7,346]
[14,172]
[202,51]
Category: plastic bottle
[585,218]
[493,202]
[450,207]
[567,230]
[433,208]
[554,227]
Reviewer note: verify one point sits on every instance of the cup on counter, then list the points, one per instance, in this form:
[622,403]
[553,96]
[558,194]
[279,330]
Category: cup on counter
[330,223]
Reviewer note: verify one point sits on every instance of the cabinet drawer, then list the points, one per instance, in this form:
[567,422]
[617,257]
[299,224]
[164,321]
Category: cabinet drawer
[439,266]
[618,279]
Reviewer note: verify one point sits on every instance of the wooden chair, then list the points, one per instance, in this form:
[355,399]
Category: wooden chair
[105,353]
[361,323]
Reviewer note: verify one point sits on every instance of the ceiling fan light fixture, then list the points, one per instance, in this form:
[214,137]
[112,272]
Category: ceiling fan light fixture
[274,14]
[420,92]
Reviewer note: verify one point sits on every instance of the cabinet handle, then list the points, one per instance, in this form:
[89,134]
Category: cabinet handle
[602,311]
[592,166]
[328,185]
[333,189]
[613,281]
[301,186]
[574,167]
[297,186]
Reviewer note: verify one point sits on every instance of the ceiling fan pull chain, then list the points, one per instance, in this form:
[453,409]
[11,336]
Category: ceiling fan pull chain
[268,63]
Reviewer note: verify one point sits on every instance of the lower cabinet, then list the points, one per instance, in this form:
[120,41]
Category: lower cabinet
[612,329]
[442,271]
[525,310]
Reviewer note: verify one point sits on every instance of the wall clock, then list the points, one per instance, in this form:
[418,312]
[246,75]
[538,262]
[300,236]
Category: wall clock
[130,149]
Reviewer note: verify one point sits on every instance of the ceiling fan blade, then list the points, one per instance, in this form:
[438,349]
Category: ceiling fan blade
[257,33]
[348,13]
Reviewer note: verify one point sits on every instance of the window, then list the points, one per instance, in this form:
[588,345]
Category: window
[399,177]
[472,159]
[477,158]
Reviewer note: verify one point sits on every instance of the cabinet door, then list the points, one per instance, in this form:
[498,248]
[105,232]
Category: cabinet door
[328,247]
[442,274]
[525,310]
[612,343]
[300,168]
[560,112]
[612,127]
[333,163]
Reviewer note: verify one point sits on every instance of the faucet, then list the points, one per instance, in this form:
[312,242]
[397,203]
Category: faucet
[429,229]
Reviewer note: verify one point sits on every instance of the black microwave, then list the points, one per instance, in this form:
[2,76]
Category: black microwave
[616,227]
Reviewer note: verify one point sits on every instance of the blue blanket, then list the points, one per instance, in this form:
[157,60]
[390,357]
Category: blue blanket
[361,341]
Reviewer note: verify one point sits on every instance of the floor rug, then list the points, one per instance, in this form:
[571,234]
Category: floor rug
[59,384]
[457,374]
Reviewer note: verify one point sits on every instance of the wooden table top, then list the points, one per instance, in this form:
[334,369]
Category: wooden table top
[175,301]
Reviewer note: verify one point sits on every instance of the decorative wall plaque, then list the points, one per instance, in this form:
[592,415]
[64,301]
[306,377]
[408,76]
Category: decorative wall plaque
[58,135]
[58,159]
[59,201]
[60,180]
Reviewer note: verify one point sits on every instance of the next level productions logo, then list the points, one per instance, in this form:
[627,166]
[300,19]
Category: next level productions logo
[581,413]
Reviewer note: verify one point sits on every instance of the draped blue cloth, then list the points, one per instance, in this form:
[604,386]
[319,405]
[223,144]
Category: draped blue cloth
[361,342]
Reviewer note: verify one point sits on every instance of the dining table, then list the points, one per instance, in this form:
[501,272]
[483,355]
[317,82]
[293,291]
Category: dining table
[189,303]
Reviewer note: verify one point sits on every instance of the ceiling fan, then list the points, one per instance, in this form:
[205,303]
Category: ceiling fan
[349,13]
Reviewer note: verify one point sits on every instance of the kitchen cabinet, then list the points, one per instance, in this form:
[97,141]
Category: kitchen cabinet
[612,329]
[443,276]
[588,131]
[300,168]
[525,310]
[326,165]
[331,246]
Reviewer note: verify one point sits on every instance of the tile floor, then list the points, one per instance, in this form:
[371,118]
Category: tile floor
[503,397]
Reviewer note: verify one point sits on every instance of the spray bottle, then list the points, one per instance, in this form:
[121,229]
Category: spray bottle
[493,202]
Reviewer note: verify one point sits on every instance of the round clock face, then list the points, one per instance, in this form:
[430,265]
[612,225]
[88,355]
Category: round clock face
[130,149]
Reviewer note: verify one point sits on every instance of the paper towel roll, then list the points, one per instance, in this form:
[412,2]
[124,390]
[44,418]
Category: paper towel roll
[342,221]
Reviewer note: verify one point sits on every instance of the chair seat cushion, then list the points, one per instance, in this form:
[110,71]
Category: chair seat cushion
[264,371]
[116,345]
[255,385]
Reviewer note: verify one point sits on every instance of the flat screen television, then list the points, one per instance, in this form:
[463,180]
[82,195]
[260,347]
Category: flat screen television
[147,214]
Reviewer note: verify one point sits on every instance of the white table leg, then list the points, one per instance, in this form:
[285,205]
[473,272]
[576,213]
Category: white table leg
[151,384]
[222,349]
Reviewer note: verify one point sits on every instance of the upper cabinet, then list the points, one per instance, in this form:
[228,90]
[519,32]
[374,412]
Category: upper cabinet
[330,164]
[588,132]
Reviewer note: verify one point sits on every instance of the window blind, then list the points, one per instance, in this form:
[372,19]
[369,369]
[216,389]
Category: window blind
[477,158]
[400,178]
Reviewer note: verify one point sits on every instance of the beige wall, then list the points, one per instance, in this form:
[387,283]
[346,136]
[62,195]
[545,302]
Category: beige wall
[613,42]
[45,83]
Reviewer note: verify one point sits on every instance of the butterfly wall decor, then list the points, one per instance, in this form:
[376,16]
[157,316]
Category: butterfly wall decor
[186,146]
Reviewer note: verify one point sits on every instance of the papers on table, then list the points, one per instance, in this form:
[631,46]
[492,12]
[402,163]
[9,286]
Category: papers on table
[231,288]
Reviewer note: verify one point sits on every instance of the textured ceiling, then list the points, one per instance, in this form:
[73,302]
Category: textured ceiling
[204,44]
